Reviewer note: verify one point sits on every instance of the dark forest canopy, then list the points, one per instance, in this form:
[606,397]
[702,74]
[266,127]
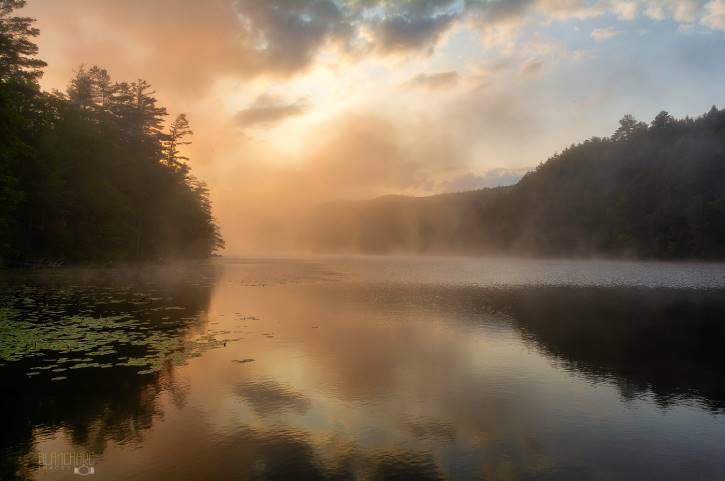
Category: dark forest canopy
[91,174]
[653,191]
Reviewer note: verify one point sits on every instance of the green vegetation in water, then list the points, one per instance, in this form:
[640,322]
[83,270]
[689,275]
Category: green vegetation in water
[98,343]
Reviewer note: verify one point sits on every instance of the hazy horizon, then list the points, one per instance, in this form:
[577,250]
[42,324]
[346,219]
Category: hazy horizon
[362,239]
[294,103]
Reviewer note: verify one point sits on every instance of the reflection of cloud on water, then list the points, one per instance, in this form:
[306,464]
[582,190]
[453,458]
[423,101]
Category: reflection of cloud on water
[83,323]
[420,382]
[268,397]
[449,361]
[428,428]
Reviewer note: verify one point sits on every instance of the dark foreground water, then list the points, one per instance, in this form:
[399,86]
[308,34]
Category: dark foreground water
[365,369]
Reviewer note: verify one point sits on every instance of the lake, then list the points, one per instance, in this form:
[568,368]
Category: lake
[365,369]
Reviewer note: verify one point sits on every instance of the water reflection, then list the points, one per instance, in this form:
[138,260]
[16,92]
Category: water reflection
[664,341]
[99,402]
[268,397]
[352,377]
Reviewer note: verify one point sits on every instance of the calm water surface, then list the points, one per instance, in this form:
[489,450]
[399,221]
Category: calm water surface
[365,369]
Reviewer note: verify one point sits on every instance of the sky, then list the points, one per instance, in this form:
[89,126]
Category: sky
[298,102]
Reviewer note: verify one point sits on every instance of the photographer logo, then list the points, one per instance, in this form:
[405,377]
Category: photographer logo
[79,462]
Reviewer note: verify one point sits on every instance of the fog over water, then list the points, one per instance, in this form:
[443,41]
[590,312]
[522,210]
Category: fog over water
[296,104]
[349,368]
[274,240]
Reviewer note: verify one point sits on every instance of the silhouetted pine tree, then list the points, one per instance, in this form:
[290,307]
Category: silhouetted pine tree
[91,175]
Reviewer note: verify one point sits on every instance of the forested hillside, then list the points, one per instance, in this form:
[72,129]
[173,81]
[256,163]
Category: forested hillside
[94,173]
[651,190]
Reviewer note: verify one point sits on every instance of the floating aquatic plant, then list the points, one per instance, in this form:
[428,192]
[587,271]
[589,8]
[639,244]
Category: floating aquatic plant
[69,343]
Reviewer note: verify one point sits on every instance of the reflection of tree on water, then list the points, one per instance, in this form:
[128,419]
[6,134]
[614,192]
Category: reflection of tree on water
[660,341]
[654,341]
[664,341]
[94,405]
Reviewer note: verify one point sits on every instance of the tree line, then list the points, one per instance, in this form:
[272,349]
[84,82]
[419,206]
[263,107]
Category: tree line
[652,190]
[93,173]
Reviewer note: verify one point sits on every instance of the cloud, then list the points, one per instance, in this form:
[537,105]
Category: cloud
[499,22]
[568,9]
[655,11]
[400,33]
[715,15]
[267,110]
[244,39]
[626,10]
[532,67]
[354,155]
[282,37]
[369,154]
[684,11]
[248,39]
[492,12]
[202,57]
[605,33]
[434,81]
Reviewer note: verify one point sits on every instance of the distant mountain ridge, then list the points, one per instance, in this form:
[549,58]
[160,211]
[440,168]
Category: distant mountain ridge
[650,190]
